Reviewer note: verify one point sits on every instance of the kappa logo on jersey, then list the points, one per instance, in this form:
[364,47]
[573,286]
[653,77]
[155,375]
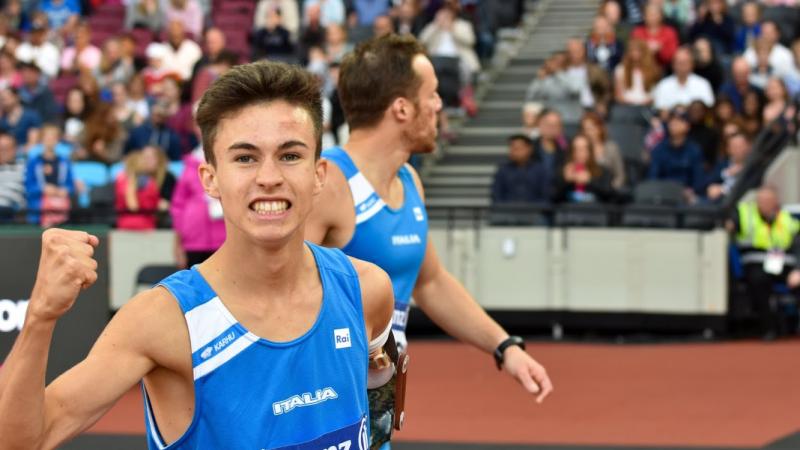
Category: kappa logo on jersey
[304,399]
[341,337]
[406,239]
[418,214]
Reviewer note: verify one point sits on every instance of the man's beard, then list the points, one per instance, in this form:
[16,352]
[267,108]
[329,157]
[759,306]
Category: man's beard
[420,143]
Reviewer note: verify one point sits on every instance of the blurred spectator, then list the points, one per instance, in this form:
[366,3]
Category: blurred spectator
[123,109]
[182,53]
[637,75]
[12,178]
[520,179]
[715,24]
[328,11]
[9,75]
[144,14]
[336,45]
[408,20]
[724,111]
[703,134]
[530,119]
[21,122]
[679,12]
[186,12]
[611,10]
[661,38]
[312,34]
[750,27]
[273,40]
[777,98]
[61,13]
[737,150]
[76,112]
[549,148]
[155,132]
[366,11]
[16,15]
[113,68]
[196,217]
[83,55]
[604,150]
[706,63]
[137,96]
[143,189]
[103,136]
[48,181]
[766,236]
[52,137]
[35,94]
[781,61]
[582,179]
[38,50]
[157,68]
[289,11]
[589,79]
[682,87]
[603,47]
[751,118]
[678,158]
[739,84]
[179,114]
[383,26]
[214,43]
[451,36]
[225,60]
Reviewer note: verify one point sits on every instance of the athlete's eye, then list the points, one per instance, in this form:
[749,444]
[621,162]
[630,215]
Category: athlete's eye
[290,157]
[244,159]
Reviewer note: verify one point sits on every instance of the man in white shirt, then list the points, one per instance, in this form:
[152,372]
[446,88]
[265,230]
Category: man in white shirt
[182,54]
[682,87]
[781,60]
[38,50]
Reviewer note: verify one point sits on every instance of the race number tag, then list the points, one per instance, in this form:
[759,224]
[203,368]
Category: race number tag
[773,264]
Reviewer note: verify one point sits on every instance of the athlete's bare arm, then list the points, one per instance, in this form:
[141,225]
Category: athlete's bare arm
[332,219]
[445,300]
[377,296]
[32,417]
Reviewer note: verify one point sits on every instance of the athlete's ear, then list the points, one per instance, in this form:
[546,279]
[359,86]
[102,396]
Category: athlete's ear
[401,109]
[208,177]
[320,175]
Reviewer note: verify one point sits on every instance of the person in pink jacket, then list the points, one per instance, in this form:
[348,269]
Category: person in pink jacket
[196,217]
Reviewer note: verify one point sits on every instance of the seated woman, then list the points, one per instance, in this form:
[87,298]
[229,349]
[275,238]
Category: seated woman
[583,180]
[143,189]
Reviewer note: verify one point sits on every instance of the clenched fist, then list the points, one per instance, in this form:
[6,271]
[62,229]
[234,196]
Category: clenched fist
[65,267]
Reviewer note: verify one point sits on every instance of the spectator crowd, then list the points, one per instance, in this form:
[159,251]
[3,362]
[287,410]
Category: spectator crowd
[666,90]
[97,96]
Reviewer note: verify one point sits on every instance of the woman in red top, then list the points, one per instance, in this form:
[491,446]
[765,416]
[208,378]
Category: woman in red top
[143,189]
[661,38]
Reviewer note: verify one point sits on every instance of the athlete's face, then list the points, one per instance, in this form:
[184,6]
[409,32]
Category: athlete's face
[266,173]
[421,129]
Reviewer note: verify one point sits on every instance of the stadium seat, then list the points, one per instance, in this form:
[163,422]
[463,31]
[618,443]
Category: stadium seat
[61,85]
[582,215]
[93,175]
[176,168]
[102,200]
[659,193]
[630,138]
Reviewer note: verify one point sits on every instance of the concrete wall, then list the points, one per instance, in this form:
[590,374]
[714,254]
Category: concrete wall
[578,269]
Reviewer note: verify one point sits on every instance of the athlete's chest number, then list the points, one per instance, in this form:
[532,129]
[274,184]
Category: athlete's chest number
[342,446]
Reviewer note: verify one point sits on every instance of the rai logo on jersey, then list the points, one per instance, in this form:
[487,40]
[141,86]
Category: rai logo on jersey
[341,337]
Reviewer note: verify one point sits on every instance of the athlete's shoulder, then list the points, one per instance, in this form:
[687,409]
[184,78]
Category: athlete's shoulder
[153,324]
[417,180]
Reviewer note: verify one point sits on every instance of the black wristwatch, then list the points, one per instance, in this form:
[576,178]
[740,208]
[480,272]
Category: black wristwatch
[500,351]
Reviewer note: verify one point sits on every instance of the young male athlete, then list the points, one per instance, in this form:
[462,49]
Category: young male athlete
[263,346]
[372,205]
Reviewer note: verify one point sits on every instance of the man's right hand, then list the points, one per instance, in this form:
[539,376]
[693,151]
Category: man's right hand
[66,266]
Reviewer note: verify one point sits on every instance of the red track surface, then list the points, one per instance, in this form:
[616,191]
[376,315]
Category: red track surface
[730,394]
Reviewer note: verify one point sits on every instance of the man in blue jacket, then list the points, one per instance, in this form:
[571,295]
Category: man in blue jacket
[678,158]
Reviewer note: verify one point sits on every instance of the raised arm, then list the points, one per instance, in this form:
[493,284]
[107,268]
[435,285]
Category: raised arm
[35,417]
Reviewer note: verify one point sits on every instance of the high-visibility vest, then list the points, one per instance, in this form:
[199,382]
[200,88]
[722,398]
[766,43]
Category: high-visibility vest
[757,234]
